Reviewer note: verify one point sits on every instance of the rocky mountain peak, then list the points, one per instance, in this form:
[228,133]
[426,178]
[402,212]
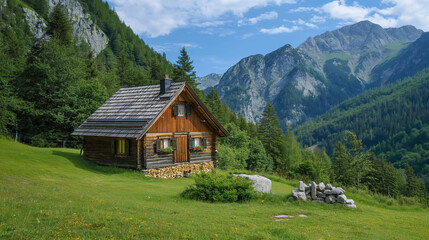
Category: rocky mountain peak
[358,37]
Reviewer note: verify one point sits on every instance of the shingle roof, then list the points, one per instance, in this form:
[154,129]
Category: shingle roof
[128,112]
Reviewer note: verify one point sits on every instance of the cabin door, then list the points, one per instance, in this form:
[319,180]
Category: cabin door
[181,153]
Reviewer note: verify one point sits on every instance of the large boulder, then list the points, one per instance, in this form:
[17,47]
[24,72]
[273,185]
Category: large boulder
[321,186]
[260,184]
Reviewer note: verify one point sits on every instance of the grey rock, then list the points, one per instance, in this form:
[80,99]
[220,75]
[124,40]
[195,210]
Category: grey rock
[302,186]
[321,186]
[260,184]
[299,195]
[350,202]
[307,188]
[334,191]
[291,198]
[351,205]
[328,186]
[37,25]
[342,199]
[330,199]
[307,192]
[313,191]
[321,195]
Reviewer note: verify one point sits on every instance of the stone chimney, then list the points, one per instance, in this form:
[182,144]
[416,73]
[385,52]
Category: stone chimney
[165,84]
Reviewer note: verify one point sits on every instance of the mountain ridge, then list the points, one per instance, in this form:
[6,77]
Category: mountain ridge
[306,81]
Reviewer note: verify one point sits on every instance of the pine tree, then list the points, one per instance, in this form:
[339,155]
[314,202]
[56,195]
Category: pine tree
[293,155]
[271,137]
[414,187]
[155,71]
[341,165]
[183,69]
[214,104]
[60,27]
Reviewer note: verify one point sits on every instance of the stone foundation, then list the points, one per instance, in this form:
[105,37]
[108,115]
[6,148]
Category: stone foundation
[183,170]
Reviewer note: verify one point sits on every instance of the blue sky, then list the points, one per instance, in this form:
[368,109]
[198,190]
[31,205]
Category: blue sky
[218,33]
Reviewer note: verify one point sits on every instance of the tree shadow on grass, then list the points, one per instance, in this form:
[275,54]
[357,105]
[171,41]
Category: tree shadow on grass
[80,162]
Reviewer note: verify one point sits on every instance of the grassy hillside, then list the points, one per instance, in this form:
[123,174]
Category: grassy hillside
[53,193]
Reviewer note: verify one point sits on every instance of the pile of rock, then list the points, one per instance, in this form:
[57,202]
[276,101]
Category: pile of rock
[322,194]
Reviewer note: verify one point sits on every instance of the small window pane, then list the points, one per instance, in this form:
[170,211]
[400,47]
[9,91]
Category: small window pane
[121,146]
[196,142]
[181,110]
[166,143]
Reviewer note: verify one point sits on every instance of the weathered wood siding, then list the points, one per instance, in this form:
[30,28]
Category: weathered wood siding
[169,123]
[99,150]
[152,159]
[170,126]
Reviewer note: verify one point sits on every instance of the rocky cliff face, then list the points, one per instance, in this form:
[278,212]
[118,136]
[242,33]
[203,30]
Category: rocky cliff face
[322,72]
[83,26]
[208,81]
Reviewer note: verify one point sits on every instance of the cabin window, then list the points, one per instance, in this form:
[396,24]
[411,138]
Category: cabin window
[181,110]
[165,143]
[121,147]
[196,142]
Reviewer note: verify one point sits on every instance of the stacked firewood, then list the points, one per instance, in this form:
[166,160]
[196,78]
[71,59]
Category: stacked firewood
[183,170]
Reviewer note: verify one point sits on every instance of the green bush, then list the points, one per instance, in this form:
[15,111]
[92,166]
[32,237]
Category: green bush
[219,187]
[167,150]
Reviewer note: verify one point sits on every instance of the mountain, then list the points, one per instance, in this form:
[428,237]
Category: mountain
[84,28]
[392,119]
[306,81]
[208,81]
[95,23]
[407,63]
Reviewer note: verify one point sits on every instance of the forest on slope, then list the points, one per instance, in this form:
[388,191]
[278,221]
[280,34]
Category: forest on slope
[393,120]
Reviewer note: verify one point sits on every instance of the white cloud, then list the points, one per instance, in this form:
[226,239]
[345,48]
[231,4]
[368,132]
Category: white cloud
[173,46]
[281,29]
[393,13]
[252,21]
[305,9]
[157,18]
[318,19]
[209,24]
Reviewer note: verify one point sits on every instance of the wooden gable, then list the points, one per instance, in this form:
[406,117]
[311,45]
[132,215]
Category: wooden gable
[195,122]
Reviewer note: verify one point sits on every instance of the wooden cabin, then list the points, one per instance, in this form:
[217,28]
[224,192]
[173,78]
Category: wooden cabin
[151,127]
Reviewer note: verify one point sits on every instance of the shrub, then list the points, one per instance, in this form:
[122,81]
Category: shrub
[219,187]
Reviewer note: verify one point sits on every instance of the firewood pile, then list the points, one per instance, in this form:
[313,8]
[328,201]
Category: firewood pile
[183,170]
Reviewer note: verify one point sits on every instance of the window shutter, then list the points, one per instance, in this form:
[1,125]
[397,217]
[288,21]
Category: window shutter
[113,146]
[174,144]
[190,143]
[127,147]
[205,142]
[188,109]
[158,145]
[176,110]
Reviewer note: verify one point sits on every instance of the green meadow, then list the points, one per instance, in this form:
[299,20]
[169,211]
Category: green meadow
[51,193]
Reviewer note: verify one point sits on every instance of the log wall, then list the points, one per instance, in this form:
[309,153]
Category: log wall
[99,151]
[152,159]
